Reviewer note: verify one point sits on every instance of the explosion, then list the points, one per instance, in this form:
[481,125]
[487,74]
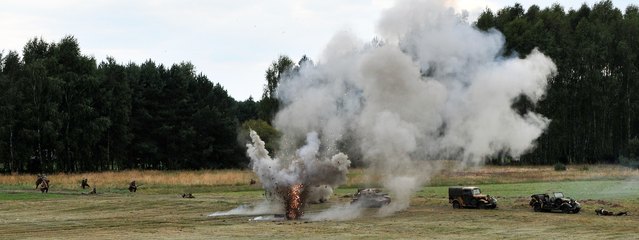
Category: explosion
[294,202]
[430,87]
[289,179]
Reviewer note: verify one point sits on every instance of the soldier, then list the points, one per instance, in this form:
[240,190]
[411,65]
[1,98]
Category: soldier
[252,181]
[43,183]
[93,191]
[85,183]
[604,212]
[39,180]
[133,187]
[187,195]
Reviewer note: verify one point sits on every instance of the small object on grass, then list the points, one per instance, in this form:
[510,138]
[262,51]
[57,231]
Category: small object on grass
[92,192]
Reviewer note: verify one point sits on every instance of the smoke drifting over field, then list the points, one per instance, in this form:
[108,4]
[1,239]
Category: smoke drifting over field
[434,87]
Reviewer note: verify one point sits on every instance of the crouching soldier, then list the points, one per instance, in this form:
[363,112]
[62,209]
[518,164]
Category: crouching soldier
[133,187]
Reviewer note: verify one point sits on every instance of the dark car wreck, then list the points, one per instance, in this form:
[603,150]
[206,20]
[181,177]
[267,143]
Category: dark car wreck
[370,198]
[554,202]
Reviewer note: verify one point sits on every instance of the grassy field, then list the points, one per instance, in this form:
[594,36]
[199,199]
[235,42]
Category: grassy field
[157,211]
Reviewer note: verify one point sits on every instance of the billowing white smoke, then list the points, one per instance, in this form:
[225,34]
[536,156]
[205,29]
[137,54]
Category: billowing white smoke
[433,88]
[318,174]
[308,166]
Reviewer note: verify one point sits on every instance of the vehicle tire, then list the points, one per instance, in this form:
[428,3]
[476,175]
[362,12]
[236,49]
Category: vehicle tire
[537,208]
[576,210]
[481,205]
[456,205]
[565,209]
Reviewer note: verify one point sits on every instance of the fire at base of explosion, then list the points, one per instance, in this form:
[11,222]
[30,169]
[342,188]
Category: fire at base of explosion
[294,201]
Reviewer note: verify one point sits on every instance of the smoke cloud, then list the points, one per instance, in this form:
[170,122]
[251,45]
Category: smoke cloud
[265,207]
[432,87]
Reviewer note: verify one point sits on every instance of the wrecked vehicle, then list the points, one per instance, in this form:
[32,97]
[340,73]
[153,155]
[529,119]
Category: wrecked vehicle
[470,197]
[554,202]
[370,198]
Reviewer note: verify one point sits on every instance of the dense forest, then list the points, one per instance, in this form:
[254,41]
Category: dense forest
[61,110]
[593,102]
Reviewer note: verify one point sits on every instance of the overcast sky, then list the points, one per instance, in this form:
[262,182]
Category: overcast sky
[231,41]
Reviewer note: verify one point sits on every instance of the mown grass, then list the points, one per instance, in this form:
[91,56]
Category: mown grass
[157,212]
[597,189]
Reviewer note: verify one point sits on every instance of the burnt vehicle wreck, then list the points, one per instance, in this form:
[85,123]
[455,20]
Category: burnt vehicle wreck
[470,197]
[554,202]
[371,198]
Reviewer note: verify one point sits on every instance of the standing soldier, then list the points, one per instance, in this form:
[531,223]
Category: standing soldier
[43,183]
[85,183]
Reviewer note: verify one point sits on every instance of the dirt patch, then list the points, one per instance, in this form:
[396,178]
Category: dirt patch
[599,202]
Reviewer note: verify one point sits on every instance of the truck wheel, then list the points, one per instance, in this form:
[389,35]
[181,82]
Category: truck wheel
[481,205]
[456,205]
[565,209]
[537,208]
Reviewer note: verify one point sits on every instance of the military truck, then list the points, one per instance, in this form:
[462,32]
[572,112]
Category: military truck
[470,197]
[555,201]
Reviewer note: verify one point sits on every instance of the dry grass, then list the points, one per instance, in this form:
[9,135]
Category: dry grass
[123,178]
[518,174]
[357,177]
[450,174]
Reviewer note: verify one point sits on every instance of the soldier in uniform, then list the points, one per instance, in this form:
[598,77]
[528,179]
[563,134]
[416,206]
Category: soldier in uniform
[43,183]
[85,183]
[187,195]
[133,187]
[604,212]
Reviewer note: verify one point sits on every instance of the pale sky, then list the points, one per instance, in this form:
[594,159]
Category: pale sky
[231,41]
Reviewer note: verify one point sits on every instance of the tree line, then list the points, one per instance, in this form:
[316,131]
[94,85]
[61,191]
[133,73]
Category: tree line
[593,101]
[60,110]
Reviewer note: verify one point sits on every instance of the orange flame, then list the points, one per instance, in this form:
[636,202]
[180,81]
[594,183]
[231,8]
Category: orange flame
[294,202]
